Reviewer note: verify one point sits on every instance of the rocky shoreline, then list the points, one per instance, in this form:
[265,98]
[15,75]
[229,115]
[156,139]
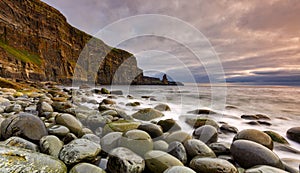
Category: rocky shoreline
[50,129]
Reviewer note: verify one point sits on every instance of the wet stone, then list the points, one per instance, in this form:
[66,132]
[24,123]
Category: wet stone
[23,125]
[21,143]
[159,161]
[86,168]
[58,130]
[79,150]
[177,150]
[51,145]
[124,160]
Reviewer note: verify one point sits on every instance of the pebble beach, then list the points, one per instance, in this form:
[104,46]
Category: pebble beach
[58,129]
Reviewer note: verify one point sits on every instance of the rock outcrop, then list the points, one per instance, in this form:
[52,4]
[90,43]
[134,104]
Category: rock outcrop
[37,44]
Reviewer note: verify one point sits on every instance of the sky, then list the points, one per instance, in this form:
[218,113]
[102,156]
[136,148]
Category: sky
[254,41]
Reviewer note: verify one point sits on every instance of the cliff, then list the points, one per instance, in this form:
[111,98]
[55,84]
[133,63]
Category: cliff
[37,44]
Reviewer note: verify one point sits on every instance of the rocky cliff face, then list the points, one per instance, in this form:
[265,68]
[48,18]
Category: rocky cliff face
[37,43]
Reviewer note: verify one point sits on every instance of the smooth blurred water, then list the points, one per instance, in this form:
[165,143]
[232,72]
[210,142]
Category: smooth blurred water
[281,104]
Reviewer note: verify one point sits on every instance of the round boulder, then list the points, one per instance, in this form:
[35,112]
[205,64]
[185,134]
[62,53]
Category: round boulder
[91,137]
[138,141]
[71,122]
[248,154]
[276,137]
[14,159]
[79,150]
[21,143]
[51,145]
[198,122]
[255,136]
[110,141]
[147,114]
[162,107]
[264,169]
[23,125]
[124,160]
[160,145]
[180,136]
[220,148]
[152,129]
[86,168]
[207,134]
[212,165]
[159,161]
[195,147]
[58,130]
[169,125]
[179,169]
[177,150]
[294,134]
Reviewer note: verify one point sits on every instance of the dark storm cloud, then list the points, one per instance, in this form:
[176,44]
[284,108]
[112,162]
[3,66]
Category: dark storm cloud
[255,40]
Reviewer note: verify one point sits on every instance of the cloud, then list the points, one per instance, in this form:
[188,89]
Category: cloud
[247,35]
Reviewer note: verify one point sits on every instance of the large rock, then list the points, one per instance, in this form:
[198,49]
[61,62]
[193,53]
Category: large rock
[264,169]
[58,130]
[179,169]
[160,145]
[220,148]
[69,121]
[51,145]
[79,150]
[195,147]
[248,154]
[159,161]
[20,160]
[198,122]
[138,141]
[276,137]
[24,125]
[169,125]
[13,108]
[212,165]
[201,111]
[21,143]
[147,114]
[207,134]
[162,107]
[180,136]
[86,168]
[294,134]
[152,129]
[92,137]
[110,141]
[44,107]
[177,150]
[255,136]
[120,126]
[124,160]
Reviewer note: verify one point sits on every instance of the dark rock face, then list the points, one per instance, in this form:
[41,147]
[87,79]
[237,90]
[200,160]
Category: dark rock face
[37,43]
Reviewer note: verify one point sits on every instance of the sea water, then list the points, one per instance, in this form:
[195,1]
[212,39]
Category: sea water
[281,104]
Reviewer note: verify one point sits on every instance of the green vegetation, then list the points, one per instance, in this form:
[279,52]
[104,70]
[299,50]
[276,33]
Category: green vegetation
[21,55]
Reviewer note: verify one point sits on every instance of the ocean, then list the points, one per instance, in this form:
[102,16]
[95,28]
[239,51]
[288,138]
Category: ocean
[280,103]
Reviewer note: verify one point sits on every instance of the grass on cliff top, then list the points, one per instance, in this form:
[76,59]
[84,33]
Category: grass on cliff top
[21,55]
